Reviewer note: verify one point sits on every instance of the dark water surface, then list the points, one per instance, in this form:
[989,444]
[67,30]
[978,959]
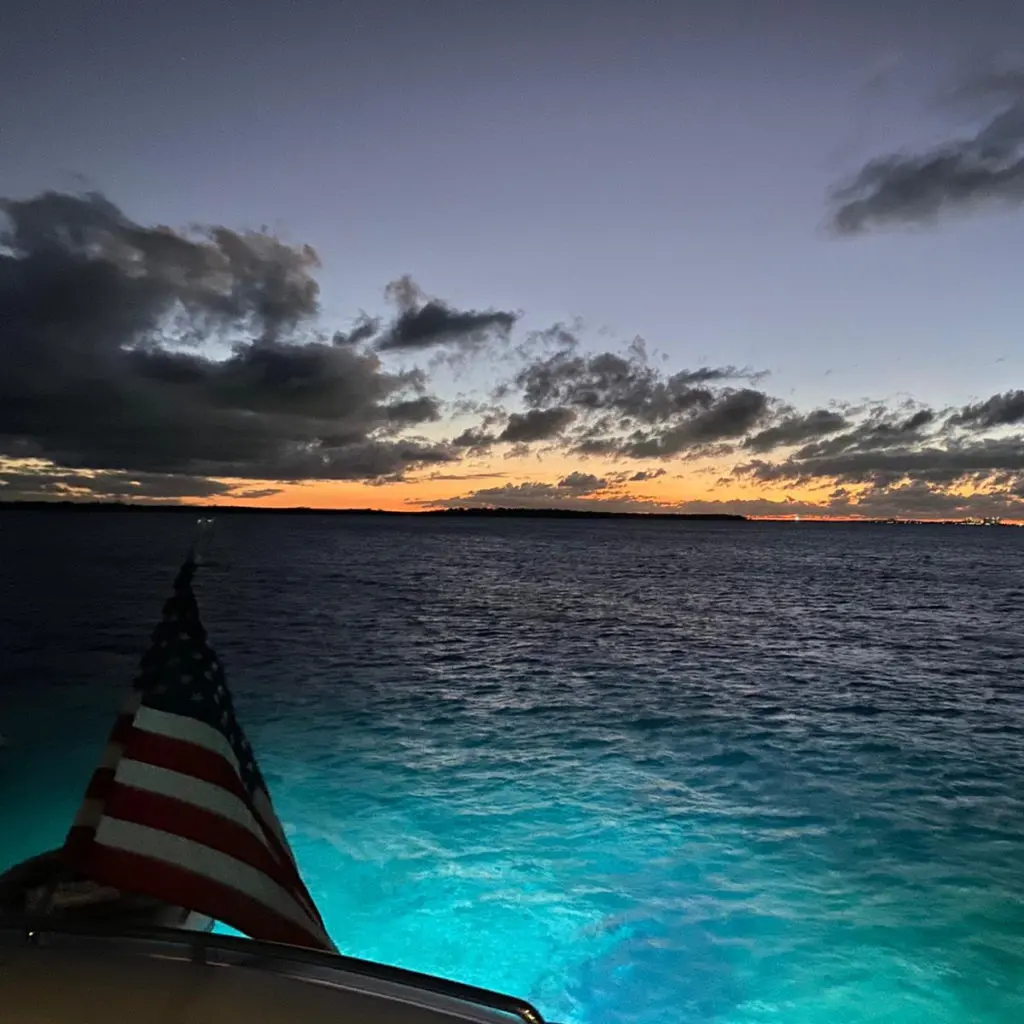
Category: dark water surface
[635,772]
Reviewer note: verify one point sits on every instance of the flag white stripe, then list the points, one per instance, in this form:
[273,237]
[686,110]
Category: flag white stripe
[180,727]
[188,730]
[212,864]
[190,790]
[91,810]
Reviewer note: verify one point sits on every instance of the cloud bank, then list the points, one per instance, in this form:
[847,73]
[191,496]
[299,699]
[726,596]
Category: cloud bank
[106,362]
[150,363]
[982,169]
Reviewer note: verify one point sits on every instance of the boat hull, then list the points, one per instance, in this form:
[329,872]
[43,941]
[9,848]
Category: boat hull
[162,976]
[40,887]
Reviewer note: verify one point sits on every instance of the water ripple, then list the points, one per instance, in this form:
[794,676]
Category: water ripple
[634,772]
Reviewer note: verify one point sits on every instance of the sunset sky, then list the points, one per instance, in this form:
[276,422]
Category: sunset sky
[693,256]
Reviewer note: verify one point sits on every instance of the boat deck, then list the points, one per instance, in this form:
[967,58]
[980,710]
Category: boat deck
[74,978]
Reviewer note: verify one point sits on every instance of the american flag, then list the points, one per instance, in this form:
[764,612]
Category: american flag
[177,808]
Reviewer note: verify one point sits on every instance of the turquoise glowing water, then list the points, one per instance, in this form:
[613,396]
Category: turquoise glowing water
[652,773]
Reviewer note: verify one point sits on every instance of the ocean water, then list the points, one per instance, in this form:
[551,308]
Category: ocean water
[660,773]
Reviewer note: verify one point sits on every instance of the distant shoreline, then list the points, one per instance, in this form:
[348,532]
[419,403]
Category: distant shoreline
[466,513]
[455,513]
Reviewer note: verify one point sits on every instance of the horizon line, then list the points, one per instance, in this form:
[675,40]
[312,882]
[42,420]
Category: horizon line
[497,511]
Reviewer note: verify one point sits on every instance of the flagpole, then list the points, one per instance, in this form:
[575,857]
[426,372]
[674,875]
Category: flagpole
[201,541]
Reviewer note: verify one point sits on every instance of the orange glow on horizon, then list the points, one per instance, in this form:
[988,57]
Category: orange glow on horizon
[662,493]
[702,488]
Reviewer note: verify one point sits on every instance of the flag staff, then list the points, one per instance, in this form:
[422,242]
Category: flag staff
[202,539]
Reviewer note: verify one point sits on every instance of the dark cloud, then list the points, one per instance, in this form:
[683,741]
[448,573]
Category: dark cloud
[918,499]
[438,324]
[466,476]
[22,482]
[621,384]
[1002,410]
[915,423]
[582,483]
[627,408]
[369,460]
[596,445]
[427,323]
[99,365]
[886,462]
[412,411]
[405,293]
[797,428]
[362,330]
[536,425]
[257,492]
[84,252]
[557,337]
[475,441]
[973,462]
[537,494]
[563,493]
[985,168]
[728,415]
[647,474]
[531,492]
[882,429]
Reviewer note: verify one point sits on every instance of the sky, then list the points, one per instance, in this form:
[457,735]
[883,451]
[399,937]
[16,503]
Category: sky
[694,256]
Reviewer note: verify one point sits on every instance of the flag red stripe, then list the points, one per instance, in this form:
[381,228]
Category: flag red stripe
[155,810]
[187,758]
[178,887]
[192,759]
[101,780]
[79,836]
